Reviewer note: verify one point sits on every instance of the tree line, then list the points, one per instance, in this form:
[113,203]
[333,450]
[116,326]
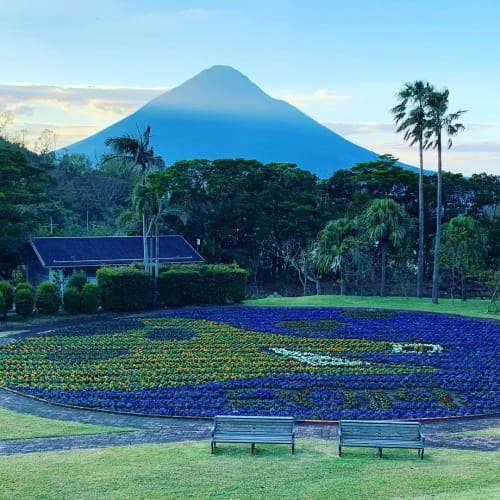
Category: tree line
[374,228]
[352,233]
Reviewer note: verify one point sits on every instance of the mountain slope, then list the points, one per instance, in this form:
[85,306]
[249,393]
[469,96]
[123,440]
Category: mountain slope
[220,113]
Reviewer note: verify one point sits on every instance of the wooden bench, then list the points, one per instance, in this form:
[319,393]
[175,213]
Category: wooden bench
[381,434]
[243,429]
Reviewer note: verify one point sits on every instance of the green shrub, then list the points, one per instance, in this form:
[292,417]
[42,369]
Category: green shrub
[125,289]
[91,298]
[48,298]
[72,300]
[224,284]
[202,284]
[25,285]
[180,285]
[77,280]
[24,300]
[2,302]
[8,295]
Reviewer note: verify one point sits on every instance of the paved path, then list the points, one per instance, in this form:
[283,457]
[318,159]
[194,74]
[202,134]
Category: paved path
[164,430]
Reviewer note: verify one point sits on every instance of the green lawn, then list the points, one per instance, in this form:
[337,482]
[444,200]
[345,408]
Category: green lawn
[15,425]
[188,470]
[490,432]
[4,333]
[473,308]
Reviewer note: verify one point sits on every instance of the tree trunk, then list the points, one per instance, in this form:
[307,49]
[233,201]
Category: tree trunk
[157,265]
[342,284]
[145,243]
[437,241]
[383,250]
[421,215]
[463,286]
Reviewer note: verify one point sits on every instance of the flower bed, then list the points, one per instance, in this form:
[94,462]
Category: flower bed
[314,363]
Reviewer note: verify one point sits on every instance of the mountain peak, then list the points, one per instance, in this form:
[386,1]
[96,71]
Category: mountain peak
[220,88]
[220,113]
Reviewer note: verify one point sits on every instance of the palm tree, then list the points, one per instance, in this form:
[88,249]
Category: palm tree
[437,120]
[137,152]
[155,199]
[410,117]
[333,247]
[387,223]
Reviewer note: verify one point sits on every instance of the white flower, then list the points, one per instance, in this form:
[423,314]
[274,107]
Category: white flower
[417,348]
[313,359]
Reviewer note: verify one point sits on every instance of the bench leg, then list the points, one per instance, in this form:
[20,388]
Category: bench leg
[293,448]
[212,447]
[380,452]
[253,448]
[340,451]
[421,453]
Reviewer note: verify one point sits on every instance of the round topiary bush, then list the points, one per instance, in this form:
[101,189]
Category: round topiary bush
[48,298]
[8,294]
[77,280]
[72,300]
[25,285]
[91,298]
[24,300]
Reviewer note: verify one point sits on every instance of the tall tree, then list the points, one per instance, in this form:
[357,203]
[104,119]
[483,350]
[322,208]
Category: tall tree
[438,120]
[464,247]
[136,152]
[334,246]
[22,186]
[155,199]
[387,224]
[410,118]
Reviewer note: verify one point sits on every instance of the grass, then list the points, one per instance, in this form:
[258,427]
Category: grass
[17,322]
[489,432]
[188,470]
[5,333]
[15,425]
[474,307]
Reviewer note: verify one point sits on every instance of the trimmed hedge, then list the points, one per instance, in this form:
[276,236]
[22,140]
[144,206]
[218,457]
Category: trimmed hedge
[25,285]
[48,298]
[72,300]
[8,295]
[202,284]
[91,298]
[77,280]
[24,300]
[125,289]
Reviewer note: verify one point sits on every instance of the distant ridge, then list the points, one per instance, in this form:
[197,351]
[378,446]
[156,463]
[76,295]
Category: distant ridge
[220,113]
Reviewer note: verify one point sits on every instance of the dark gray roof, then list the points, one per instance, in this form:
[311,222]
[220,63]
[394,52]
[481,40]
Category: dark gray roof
[109,250]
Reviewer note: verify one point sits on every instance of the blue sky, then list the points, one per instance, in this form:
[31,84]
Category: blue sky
[76,67]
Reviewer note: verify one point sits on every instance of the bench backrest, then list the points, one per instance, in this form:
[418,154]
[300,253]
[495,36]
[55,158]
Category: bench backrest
[362,429]
[253,425]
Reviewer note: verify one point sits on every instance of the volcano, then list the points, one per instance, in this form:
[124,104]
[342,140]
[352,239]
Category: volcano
[220,113]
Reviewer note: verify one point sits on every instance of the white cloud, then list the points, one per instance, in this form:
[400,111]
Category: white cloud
[319,96]
[20,99]
[359,128]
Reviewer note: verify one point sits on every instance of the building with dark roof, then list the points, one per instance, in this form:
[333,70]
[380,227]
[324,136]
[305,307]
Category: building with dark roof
[64,256]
